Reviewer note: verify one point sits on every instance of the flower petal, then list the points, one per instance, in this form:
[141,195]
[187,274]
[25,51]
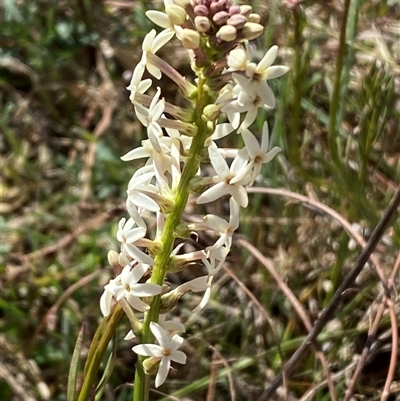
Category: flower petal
[148,350]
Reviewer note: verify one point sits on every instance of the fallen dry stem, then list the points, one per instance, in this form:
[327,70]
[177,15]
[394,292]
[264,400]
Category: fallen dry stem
[372,336]
[296,305]
[335,301]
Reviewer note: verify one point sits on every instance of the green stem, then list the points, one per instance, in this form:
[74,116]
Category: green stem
[335,101]
[142,382]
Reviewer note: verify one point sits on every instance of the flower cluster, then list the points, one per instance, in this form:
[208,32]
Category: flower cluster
[225,98]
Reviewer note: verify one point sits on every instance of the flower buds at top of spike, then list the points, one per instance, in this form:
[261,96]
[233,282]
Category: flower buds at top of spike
[252,30]
[202,23]
[190,39]
[227,33]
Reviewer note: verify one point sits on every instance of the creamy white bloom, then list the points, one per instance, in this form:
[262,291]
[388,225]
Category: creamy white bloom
[253,82]
[136,196]
[129,235]
[222,227]
[108,294]
[229,180]
[126,285]
[137,85]
[151,44]
[149,118]
[259,154]
[129,287]
[165,352]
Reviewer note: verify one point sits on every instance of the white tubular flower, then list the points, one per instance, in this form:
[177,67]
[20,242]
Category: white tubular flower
[165,352]
[151,44]
[229,180]
[130,288]
[259,155]
[149,118]
[107,296]
[136,197]
[222,227]
[137,85]
[128,235]
[212,268]
[254,82]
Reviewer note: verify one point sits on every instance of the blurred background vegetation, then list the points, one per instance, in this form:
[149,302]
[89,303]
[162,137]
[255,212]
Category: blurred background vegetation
[65,122]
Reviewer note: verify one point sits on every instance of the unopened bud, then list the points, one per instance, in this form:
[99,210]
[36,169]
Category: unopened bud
[176,14]
[234,10]
[211,112]
[190,39]
[220,18]
[169,301]
[237,21]
[112,257]
[202,23]
[245,10]
[253,17]
[201,10]
[150,365]
[237,59]
[227,33]
[251,30]
[217,6]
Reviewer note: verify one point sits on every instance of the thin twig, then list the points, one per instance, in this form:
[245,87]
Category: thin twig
[66,240]
[371,334]
[294,301]
[394,355]
[329,211]
[50,318]
[335,301]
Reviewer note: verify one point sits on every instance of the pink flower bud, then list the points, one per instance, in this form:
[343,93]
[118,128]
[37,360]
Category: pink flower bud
[201,10]
[220,18]
[237,21]
[202,23]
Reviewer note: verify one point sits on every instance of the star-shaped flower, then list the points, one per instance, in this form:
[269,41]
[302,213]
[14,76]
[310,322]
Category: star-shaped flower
[222,227]
[127,285]
[165,352]
[130,237]
[230,180]
[253,81]
[259,154]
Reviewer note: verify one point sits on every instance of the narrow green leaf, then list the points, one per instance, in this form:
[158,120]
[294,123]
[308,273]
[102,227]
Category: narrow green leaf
[107,371]
[73,371]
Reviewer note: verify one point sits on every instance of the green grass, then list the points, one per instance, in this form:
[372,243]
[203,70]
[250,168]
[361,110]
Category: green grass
[64,70]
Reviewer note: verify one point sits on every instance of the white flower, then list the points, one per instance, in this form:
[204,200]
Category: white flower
[126,285]
[165,352]
[130,288]
[128,235]
[212,268]
[229,180]
[137,85]
[149,118]
[259,155]
[222,227]
[151,44]
[107,296]
[135,194]
[174,15]
[254,81]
